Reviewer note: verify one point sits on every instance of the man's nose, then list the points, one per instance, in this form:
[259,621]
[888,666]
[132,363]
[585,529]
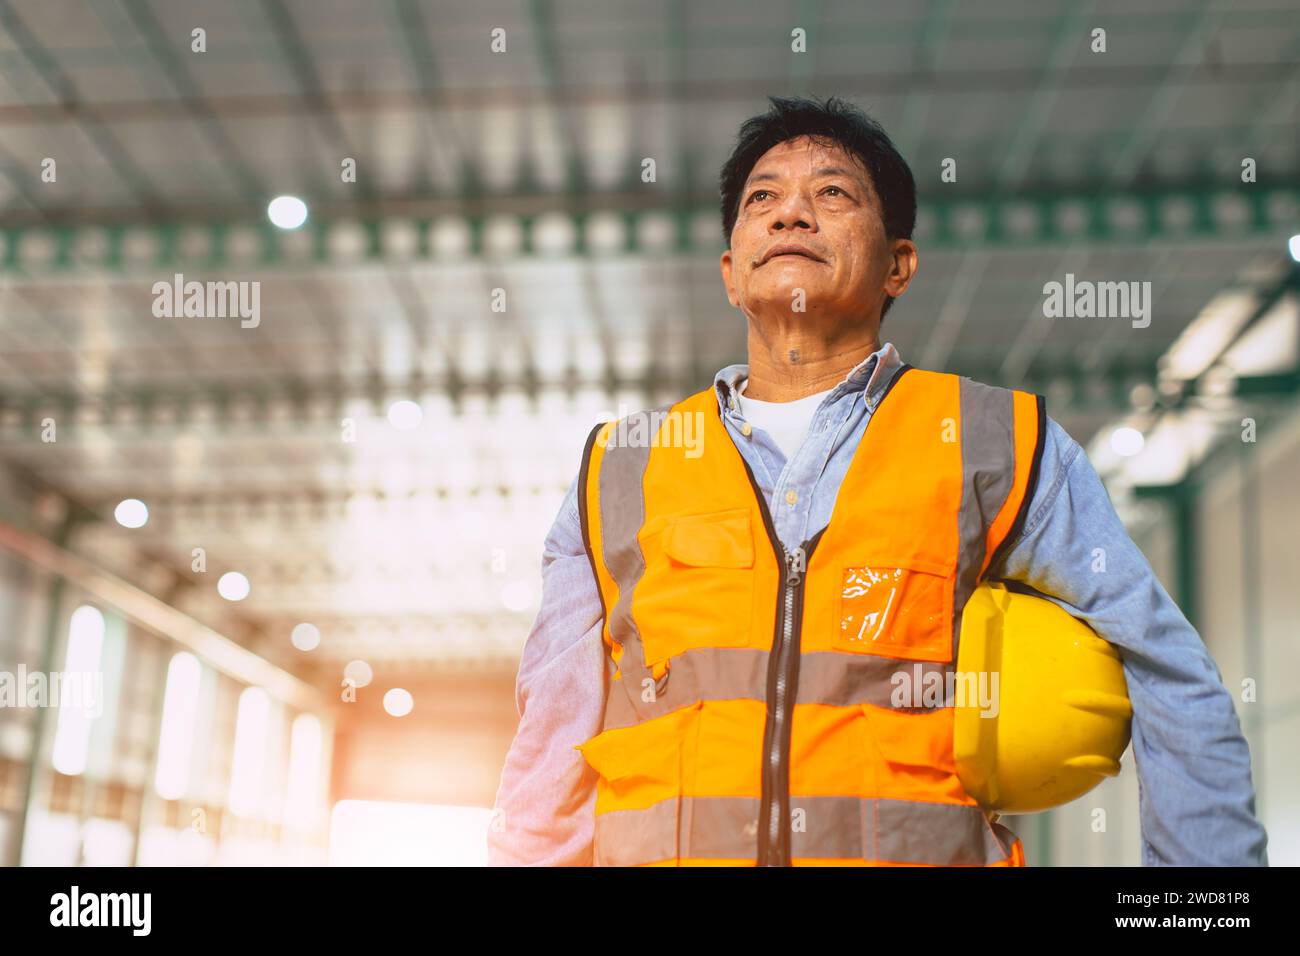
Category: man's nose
[794,212]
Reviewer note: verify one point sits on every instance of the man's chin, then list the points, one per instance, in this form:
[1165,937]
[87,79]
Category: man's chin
[790,294]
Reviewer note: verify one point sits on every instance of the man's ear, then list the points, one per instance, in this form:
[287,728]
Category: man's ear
[725,264]
[902,268]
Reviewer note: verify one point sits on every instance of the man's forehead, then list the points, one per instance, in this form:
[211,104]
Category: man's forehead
[806,155]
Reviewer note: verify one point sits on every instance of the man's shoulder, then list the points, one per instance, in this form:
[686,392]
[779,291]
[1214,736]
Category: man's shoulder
[976,384]
[971,391]
[1059,445]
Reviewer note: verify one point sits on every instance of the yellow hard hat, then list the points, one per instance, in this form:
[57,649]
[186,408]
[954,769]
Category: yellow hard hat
[1059,717]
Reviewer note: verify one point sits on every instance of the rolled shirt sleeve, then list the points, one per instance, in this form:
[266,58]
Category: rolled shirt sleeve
[545,805]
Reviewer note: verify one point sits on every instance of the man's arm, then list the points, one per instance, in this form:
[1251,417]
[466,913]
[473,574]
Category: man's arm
[545,806]
[1196,801]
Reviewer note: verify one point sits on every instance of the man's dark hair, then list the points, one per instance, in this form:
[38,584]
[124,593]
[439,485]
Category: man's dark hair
[833,122]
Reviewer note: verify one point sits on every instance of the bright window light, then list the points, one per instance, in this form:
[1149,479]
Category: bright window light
[247,772]
[179,720]
[85,646]
[52,839]
[369,833]
[106,843]
[1126,441]
[517,596]
[1215,328]
[1293,246]
[131,513]
[233,586]
[302,799]
[287,212]
[1270,344]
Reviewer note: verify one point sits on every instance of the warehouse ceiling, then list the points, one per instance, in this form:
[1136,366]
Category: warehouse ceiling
[502,260]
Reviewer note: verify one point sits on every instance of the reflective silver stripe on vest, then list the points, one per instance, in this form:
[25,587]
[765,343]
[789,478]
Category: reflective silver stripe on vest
[622,513]
[836,678]
[988,462]
[828,828]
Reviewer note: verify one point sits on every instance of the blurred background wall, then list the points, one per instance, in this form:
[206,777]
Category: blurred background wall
[300,545]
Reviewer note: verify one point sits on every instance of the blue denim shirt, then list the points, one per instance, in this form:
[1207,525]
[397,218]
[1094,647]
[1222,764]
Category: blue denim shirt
[1196,800]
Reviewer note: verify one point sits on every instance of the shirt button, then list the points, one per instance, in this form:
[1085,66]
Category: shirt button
[745,429]
[731,403]
[791,497]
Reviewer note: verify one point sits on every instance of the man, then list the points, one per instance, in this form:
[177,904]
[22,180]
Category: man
[706,680]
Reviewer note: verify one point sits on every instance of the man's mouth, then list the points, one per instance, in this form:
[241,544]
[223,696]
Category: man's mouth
[777,252]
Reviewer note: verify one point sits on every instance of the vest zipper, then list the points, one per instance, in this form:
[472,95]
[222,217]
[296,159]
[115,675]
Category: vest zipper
[777,773]
[782,689]
[783,678]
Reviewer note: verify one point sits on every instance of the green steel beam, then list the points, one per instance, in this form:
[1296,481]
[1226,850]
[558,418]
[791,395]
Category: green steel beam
[1180,499]
[1252,600]
[1046,832]
[1031,218]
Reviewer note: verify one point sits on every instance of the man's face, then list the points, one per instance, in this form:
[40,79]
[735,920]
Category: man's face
[810,220]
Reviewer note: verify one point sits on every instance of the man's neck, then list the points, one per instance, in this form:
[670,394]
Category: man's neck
[794,367]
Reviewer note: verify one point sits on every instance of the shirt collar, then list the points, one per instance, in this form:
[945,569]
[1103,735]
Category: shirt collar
[870,376]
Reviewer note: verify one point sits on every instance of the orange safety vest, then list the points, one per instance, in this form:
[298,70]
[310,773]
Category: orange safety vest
[750,715]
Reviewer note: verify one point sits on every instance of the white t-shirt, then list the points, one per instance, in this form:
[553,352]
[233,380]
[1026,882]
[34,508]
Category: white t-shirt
[786,422]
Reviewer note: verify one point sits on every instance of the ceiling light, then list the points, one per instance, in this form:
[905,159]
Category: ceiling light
[305,637]
[287,212]
[398,702]
[233,586]
[359,673]
[131,513]
[1126,441]
[405,415]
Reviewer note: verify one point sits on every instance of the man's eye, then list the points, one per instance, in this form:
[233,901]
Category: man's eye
[833,190]
[757,193]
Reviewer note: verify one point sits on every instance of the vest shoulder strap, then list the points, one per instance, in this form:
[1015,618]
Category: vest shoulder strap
[1015,422]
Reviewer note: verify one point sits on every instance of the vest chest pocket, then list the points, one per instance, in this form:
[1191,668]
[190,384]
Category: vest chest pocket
[698,587]
[895,610]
